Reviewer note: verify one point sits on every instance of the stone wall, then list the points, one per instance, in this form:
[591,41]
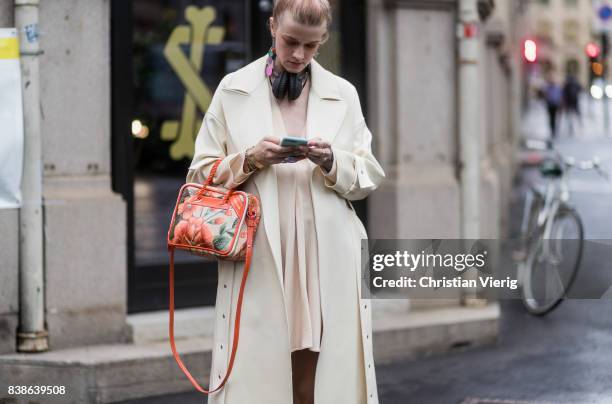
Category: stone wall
[84,221]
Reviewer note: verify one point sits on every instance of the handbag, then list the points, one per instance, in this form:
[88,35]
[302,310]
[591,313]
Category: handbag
[218,223]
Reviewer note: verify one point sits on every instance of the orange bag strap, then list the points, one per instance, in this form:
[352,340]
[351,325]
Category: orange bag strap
[251,226]
[209,181]
[212,173]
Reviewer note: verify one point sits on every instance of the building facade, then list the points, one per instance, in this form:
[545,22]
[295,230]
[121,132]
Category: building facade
[562,29]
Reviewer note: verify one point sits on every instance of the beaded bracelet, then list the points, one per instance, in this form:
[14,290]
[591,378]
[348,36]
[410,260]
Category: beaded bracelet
[252,164]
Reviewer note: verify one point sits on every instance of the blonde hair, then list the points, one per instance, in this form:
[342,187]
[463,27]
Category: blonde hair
[307,12]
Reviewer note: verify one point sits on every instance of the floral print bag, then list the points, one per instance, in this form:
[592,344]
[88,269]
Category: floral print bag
[212,222]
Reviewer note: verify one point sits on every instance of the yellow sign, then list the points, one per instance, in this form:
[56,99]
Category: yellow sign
[9,48]
[197,34]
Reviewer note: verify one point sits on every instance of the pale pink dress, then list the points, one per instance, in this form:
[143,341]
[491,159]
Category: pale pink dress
[297,228]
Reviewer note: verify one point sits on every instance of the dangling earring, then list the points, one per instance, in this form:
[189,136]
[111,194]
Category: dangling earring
[271,58]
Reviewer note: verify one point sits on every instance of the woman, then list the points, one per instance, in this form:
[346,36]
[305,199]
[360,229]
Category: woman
[305,334]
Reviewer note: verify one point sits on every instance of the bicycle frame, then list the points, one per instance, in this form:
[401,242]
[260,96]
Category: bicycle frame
[543,229]
[557,193]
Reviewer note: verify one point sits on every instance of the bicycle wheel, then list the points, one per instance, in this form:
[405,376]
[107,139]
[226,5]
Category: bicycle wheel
[552,263]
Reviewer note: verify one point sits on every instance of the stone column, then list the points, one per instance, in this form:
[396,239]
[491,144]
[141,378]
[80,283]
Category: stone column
[85,231]
[413,115]
[85,222]
[498,157]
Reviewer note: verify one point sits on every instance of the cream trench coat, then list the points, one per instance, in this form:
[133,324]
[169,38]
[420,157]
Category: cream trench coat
[238,117]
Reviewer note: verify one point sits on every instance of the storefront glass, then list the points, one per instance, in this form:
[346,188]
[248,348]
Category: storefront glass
[182,49]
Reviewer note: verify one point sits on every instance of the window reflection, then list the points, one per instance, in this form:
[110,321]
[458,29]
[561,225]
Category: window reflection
[182,49]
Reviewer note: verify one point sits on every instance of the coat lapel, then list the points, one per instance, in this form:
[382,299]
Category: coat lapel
[248,114]
[246,105]
[326,108]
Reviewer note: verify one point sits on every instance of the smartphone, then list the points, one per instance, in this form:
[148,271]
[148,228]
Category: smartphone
[289,141]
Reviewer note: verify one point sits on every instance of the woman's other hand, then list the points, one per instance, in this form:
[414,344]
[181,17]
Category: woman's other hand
[269,151]
[320,153]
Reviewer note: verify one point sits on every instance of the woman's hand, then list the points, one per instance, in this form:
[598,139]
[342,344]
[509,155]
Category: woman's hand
[320,153]
[268,152]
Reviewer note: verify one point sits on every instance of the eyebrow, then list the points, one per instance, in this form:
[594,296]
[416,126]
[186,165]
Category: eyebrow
[296,40]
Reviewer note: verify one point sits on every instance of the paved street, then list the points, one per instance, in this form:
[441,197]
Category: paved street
[565,357]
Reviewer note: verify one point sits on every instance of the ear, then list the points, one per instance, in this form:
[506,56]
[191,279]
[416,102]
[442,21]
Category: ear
[272,25]
[324,39]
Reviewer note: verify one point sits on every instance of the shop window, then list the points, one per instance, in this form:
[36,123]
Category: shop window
[181,51]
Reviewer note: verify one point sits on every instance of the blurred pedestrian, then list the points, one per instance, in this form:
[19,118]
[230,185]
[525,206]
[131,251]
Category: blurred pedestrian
[553,97]
[571,107]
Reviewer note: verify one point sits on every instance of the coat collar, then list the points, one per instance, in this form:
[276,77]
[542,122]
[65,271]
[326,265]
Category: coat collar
[247,80]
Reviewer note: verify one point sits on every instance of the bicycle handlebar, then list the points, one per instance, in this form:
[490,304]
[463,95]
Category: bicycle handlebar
[585,165]
[568,162]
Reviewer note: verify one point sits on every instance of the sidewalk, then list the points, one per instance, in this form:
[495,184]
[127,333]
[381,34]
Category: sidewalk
[591,125]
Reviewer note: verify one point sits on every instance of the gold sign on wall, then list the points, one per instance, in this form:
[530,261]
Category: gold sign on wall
[197,34]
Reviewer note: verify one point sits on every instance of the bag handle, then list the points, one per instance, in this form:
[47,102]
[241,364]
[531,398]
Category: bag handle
[212,173]
[252,221]
[209,181]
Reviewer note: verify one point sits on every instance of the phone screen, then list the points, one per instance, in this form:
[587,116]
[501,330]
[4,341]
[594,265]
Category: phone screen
[293,141]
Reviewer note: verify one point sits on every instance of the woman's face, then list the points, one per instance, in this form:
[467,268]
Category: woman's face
[296,44]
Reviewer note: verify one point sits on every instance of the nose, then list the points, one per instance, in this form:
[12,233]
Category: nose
[298,54]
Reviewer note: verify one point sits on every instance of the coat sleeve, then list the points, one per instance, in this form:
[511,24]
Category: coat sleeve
[356,172]
[211,145]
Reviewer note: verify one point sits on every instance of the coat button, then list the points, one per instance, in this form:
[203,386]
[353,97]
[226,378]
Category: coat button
[219,376]
[365,307]
[367,336]
[223,315]
[369,365]
[221,346]
[225,286]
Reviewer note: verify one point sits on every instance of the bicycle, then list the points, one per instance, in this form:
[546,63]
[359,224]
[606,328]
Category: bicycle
[553,234]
